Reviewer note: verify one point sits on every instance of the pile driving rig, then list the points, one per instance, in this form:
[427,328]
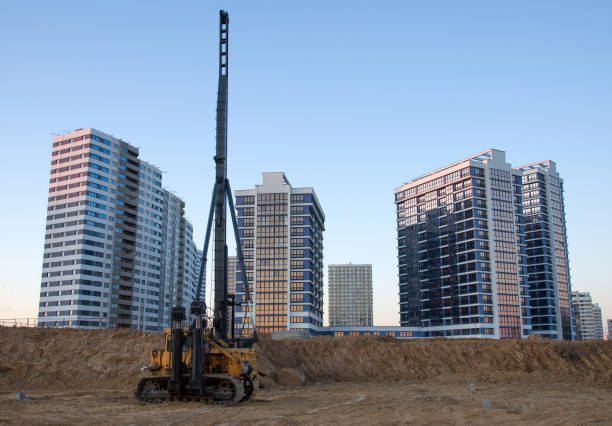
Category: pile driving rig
[199,362]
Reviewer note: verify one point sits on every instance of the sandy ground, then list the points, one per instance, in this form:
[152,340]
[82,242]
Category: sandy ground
[339,403]
[361,380]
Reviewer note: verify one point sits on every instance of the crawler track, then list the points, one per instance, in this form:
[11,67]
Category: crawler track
[220,389]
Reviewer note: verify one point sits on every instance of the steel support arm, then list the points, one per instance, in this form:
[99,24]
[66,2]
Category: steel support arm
[230,200]
[201,276]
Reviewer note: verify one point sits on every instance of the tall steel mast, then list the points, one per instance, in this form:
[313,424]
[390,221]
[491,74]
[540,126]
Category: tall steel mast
[218,211]
[212,354]
[220,248]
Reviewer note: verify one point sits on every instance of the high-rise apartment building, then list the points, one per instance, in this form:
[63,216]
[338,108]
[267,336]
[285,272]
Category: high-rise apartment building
[173,233]
[110,256]
[191,268]
[350,295]
[140,310]
[461,250]
[281,229]
[587,316]
[609,329]
[547,254]
[231,290]
[231,274]
[599,332]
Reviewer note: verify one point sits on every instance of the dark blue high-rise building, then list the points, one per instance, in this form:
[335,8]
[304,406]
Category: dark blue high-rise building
[547,255]
[482,251]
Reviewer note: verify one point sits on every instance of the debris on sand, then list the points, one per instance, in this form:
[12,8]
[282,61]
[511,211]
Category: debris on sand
[291,377]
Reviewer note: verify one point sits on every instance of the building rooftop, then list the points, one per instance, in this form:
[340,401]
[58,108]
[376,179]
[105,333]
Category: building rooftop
[542,165]
[279,180]
[483,157]
[350,264]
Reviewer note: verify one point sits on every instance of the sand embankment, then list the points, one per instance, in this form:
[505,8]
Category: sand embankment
[63,359]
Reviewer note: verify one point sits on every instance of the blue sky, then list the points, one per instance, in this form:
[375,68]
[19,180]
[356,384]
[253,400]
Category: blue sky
[351,98]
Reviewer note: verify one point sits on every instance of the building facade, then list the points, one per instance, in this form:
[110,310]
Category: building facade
[547,254]
[461,251]
[587,314]
[231,274]
[350,295]
[141,311]
[599,331]
[191,268]
[173,234]
[281,230]
[108,257]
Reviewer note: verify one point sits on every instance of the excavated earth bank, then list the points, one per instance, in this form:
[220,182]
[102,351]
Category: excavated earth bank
[60,359]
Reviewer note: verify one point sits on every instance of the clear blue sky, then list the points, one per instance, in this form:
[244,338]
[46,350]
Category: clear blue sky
[353,98]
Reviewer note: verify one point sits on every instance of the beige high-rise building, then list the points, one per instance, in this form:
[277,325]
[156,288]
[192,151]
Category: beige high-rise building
[281,230]
[350,295]
[231,274]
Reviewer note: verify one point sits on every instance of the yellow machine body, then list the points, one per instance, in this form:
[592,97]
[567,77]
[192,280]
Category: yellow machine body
[229,374]
[221,358]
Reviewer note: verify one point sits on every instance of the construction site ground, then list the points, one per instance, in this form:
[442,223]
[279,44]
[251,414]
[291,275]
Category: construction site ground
[80,376]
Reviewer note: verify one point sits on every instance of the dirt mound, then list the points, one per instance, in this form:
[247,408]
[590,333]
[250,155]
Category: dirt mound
[380,359]
[111,359]
[47,358]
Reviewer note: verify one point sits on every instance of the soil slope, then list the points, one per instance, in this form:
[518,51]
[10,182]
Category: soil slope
[69,359]
[379,359]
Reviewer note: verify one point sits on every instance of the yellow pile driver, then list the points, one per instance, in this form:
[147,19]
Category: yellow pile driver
[201,362]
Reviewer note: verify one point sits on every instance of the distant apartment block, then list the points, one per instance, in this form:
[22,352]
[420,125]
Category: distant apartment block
[609,330]
[173,231]
[482,250]
[281,230]
[547,254]
[117,245]
[461,250]
[231,274]
[599,332]
[589,325]
[350,295]
[191,269]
